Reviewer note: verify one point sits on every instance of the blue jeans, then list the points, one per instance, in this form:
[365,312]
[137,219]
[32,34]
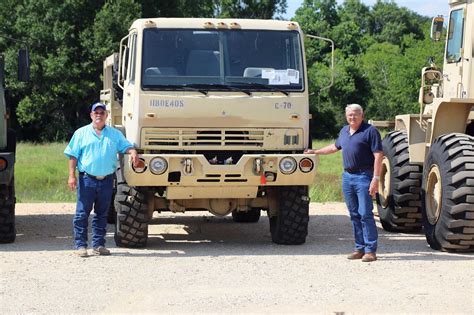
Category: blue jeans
[359,203]
[92,193]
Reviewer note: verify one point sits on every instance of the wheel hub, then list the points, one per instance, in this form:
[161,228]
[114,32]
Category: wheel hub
[433,195]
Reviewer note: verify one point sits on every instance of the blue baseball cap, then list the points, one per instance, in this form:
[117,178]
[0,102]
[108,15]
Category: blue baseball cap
[97,105]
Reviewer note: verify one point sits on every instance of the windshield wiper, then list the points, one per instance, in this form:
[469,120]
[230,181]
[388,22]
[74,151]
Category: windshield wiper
[229,87]
[192,87]
[174,87]
[262,86]
[218,86]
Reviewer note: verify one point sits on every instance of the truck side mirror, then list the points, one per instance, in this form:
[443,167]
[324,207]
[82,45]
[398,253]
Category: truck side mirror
[437,25]
[23,65]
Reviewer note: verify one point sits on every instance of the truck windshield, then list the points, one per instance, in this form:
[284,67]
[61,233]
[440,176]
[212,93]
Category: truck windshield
[249,60]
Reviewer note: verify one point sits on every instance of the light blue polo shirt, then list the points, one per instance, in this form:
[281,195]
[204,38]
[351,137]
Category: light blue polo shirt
[97,155]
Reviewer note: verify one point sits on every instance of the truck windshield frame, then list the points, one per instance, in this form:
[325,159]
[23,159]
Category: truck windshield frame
[249,60]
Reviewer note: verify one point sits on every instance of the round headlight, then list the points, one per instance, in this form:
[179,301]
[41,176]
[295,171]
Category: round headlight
[287,165]
[306,165]
[158,165]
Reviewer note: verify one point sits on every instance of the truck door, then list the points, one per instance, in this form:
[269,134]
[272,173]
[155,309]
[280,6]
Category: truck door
[455,61]
[130,109]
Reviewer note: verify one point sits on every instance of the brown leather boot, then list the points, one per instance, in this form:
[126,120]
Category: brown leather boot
[355,255]
[369,257]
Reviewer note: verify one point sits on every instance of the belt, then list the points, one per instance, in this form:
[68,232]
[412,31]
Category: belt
[353,170]
[94,177]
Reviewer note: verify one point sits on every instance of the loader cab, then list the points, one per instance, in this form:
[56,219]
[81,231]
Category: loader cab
[458,63]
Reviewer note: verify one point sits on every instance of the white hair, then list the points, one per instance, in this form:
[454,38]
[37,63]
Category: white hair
[354,107]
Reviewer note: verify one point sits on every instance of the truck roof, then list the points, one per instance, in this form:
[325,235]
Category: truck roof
[212,23]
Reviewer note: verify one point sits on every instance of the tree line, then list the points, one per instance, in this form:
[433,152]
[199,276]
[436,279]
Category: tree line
[380,51]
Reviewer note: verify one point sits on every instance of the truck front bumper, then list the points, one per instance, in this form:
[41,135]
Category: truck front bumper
[189,176]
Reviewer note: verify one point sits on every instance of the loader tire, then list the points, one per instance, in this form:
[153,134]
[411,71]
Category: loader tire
[290,226]
[7,213]
[448,193]
[250,216]
[131,227]
[399,197]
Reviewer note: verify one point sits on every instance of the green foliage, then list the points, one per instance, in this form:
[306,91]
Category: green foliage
[380,51]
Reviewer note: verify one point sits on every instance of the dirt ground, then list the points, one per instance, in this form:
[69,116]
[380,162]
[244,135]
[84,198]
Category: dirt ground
[198,263]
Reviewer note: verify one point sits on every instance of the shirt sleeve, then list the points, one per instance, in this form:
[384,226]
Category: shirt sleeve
[338,140]
[375,140]
[73,149]
[123,144]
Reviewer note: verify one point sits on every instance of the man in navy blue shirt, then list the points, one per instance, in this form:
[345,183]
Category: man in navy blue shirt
[93,151]
[362,157]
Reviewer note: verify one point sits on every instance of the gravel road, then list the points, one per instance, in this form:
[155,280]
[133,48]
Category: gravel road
[197,263]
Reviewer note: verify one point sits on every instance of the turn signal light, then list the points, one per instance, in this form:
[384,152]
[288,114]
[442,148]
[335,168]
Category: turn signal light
[3,164]
[306,165]
[141,167]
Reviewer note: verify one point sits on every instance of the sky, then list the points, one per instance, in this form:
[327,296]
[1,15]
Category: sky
[428,8]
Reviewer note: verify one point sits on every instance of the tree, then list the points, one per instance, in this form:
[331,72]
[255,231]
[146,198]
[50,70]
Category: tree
[251,9]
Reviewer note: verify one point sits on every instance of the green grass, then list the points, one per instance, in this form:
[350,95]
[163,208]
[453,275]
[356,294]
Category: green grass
[327,186]
[41,173]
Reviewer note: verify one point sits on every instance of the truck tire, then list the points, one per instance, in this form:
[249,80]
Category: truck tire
[290,226]
[448,189]
[7,213]
[399,197]
[131,227]
[251,216]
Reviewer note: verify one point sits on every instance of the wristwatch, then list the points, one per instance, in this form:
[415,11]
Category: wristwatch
[377,177]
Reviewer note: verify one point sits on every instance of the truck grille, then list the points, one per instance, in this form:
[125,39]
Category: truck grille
[155,138]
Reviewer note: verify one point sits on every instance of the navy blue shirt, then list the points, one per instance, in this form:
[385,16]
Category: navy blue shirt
[358,149]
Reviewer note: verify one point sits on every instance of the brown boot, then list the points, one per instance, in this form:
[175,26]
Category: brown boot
[369,257]
[355,255]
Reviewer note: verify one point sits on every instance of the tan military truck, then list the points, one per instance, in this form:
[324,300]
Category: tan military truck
[8,150]
[218,109]
[428,171]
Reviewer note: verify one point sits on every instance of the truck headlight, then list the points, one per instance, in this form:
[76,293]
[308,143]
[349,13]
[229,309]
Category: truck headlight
[158,165]
[287,165]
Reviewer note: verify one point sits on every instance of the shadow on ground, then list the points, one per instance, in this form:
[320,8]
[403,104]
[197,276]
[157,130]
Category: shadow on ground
[205,235]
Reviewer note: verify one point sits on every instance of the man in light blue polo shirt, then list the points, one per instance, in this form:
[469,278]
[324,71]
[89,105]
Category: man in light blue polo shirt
[93,151]
[362,156]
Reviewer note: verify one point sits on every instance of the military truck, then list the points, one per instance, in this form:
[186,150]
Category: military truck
[427,175]
[218,110]
[7,151]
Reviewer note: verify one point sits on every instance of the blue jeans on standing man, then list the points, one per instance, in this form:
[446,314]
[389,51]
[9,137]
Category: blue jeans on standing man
[355,187]
[95,193]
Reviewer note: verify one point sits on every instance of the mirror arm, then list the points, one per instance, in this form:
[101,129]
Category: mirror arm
[332,57]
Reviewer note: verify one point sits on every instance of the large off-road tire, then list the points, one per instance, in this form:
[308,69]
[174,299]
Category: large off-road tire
[290,226]
[7,213]
[448,193]
[131,227]
[250,216]
[399,197]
